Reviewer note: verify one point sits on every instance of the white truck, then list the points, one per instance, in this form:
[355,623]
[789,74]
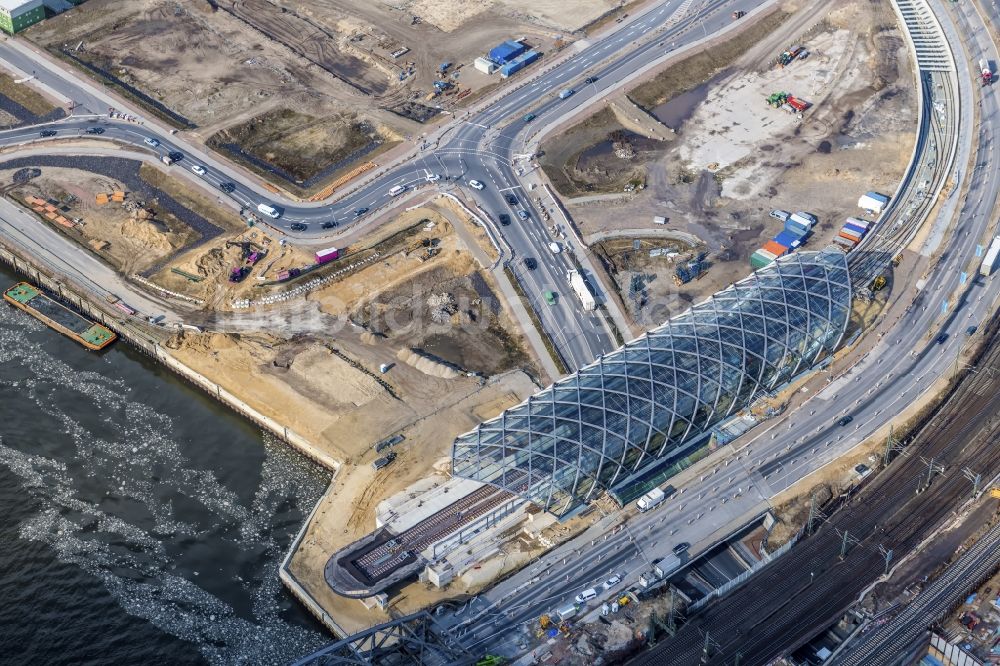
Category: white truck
[582,290]
[651,500]
[990,260]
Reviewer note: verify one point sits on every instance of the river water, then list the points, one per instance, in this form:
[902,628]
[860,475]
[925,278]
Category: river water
[140,522]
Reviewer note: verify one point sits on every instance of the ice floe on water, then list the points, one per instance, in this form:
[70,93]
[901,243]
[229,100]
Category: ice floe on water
[121,500]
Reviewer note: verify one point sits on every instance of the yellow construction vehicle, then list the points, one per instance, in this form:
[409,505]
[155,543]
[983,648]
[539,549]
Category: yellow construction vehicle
[995,492]
[878,283]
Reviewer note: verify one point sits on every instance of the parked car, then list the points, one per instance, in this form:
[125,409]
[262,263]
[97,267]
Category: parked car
[504,219]
[530,263]
[475,184]
[523,214]
[95,130]
[586,596]
[779,214]
[198,169]
[151,142]
[48,132]
[298,226]
[681,547]
[384,461]
[511,199]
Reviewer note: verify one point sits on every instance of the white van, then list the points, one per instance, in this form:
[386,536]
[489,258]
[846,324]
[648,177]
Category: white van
[555,247]
[268,210]
[586,595]
[396,190]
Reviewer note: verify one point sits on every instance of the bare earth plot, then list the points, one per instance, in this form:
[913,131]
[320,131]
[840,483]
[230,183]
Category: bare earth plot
[735,158]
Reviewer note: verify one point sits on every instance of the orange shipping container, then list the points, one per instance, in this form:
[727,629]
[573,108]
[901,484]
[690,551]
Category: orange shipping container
[777,249]
[852,241]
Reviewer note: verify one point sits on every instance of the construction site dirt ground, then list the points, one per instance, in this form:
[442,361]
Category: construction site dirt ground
[131,235]
[734,158]
[353,363]
[294,80]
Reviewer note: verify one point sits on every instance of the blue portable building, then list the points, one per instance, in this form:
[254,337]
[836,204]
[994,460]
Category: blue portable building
[796,228]
[507,52]
[519,64]
[788,239]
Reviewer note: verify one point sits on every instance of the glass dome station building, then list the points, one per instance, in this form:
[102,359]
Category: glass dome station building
[655,400]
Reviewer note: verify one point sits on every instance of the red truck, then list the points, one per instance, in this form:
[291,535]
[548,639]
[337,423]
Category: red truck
[797,104]
[985,73]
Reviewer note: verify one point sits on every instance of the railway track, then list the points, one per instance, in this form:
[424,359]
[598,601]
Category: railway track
[883,646]
[782,607]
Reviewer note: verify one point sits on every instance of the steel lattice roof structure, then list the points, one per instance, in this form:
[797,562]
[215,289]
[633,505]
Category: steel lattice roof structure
[656,397]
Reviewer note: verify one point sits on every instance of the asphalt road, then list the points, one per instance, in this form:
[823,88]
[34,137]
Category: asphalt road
[732,489]
[481,147]
[900,367]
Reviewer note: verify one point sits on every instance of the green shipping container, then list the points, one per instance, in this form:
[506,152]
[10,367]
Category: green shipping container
[759,260]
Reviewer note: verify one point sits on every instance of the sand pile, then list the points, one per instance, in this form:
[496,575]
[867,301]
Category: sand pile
[427,365]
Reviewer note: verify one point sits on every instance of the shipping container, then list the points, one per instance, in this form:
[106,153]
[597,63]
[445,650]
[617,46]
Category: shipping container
[843,244]
[990,260]
[329,254]
[851,233]
[796,228]
[802,217]
[864,224]
[519,64]
[854,227]
[775,248]
[852,241]
[788,239]
[758,260]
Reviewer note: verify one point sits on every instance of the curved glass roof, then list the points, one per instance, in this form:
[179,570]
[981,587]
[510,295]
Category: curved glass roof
[652,397]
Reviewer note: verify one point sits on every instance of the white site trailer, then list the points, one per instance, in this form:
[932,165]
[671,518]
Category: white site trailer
[873,202]
[582,290]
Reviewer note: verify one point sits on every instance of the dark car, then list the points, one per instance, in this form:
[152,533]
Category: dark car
[504,219]
[681,547]
[590,79]
[971,330]
[47,133]
[359,212]
[329,224]
[298,226]
[95,130]
[384,461]
[511,199]
[176,156]
[530,263]
[941,339]
[227,187]
[844,420]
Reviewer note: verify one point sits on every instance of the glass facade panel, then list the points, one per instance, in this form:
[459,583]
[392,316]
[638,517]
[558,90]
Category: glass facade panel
[658,392]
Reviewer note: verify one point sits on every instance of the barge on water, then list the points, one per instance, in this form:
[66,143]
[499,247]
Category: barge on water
[88,333]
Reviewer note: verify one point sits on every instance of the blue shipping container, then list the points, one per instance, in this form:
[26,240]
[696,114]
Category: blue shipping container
[788,239]
[854,227]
